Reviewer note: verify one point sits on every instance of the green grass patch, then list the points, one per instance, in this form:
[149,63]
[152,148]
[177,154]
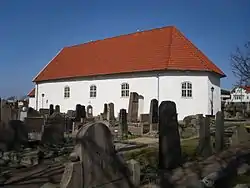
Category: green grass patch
[189,146]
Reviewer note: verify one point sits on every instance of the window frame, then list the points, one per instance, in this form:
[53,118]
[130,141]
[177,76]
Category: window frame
[124,90]
[92,91]
[66,92]
[187,90]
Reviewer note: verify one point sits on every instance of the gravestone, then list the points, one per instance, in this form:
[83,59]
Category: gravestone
[57,108]
[23,113]
[135,169]
[83,112]
[169,138]
[153,115]
[204,148]
[44,112]
[89,111]
[51,109]
[71,114]
[169,141]
[133,107]
[33,113]
[6,113]
[123,123]
[105,112]
[13,135]
[78,113]
[111,113]
[219,132]
[69,125]
[101,166]
[240,135]
[53,132]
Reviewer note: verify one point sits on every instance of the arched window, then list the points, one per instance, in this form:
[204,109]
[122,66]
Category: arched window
[186,89]
[92,91]
[66,92]
[124,90]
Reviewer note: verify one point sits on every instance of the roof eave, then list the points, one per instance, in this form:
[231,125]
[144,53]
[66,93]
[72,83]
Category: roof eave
[35,78]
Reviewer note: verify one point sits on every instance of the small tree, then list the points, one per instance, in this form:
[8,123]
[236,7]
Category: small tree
[240,62]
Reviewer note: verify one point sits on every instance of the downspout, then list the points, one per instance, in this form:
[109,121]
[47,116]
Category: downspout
[158,97]
[158,88]
[36,96]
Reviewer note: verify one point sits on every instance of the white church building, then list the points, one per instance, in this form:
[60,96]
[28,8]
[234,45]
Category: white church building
[157,64]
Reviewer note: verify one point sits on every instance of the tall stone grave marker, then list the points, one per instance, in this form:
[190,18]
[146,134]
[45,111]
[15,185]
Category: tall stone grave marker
[123,123]
[111,113]
[133,107]
[204,148]
[153,115]
[219,132]
[105,112]
[78,113]
[169,141]
[83,112]
[51,109]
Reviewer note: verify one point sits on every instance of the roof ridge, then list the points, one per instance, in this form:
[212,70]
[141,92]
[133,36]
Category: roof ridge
[191,45]
[123,35]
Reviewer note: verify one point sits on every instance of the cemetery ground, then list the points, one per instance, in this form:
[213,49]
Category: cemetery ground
[52,149]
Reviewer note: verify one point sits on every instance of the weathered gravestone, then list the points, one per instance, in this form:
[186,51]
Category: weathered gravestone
[78,113]
[123,123]
[23,113]
[240,135]
[101,167]
[83,112]
[111,113]
[6,113]
[51,109]
[53,132]
[169,141]
[57,108]
[71,114]
[13,135]
[204,148]
[133,107]
[219,132]
[105,112]
[89,111]
[44,112]
[153,115]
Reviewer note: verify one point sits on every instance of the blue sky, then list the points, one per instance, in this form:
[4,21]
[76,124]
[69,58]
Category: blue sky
[33,31]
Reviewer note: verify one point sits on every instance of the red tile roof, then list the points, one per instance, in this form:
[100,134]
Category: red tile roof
[247,88]
[32,93]
[158,49]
